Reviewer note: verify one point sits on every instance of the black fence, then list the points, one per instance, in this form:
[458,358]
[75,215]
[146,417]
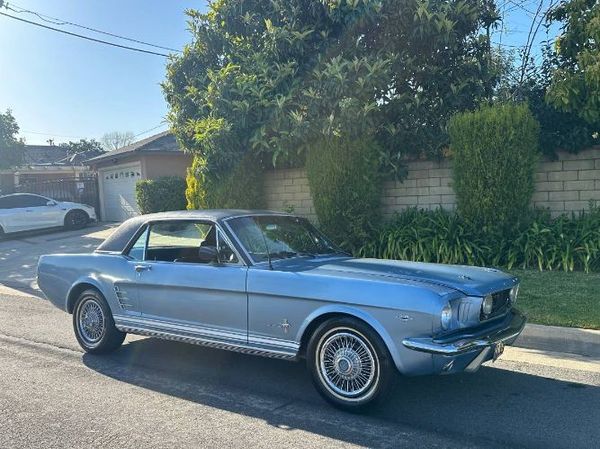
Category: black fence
[79,190]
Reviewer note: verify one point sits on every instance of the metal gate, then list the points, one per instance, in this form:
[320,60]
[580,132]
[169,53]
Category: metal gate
[79,190]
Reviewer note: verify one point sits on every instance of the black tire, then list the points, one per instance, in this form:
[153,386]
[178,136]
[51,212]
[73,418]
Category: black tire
[98,334]
[364,348]
[76,219]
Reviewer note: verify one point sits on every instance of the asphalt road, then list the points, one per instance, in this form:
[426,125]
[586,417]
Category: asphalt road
[153,394]
[19,254]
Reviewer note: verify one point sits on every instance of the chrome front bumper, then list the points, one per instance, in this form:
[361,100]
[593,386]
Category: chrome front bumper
[468,342]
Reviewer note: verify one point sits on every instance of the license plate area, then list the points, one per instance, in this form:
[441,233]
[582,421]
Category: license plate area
[498,350]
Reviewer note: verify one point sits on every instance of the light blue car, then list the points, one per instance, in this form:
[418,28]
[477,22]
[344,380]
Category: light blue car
[271,284]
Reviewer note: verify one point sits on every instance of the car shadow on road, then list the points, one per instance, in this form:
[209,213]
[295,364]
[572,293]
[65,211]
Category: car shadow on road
[494,407]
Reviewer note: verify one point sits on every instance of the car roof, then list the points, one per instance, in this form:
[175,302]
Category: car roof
[21,194]
[119,239]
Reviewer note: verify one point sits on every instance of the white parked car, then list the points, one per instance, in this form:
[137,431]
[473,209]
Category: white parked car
[26,211]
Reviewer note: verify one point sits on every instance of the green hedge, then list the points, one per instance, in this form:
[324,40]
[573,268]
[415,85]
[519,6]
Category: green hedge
[242,188]
[495,151]
[161,194]
[344,179]
[568,242]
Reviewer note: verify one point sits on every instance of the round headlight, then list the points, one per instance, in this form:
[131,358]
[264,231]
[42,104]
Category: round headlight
[514,292]
[488,305]
[446,317]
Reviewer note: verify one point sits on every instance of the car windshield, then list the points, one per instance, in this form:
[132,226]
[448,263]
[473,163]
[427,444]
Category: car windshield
[280,237]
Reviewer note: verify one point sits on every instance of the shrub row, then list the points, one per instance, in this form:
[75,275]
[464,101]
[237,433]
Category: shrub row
[161,194]
[344,179]
[540,242]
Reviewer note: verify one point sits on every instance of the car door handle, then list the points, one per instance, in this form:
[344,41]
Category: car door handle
[140,267]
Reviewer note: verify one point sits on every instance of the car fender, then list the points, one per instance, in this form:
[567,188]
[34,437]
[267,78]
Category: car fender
[75,290]
[357,313]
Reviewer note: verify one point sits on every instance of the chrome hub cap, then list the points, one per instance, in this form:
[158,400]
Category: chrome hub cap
[91,322]
[347,364]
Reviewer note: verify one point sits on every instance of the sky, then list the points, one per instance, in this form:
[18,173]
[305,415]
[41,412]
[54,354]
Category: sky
[67,88]
[64,88]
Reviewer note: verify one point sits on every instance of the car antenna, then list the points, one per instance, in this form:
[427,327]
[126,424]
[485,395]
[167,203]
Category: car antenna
[266,246]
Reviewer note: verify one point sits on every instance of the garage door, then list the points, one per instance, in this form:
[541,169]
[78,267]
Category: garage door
[118,191]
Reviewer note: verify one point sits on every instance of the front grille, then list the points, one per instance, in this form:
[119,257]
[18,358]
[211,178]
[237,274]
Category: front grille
[500,305]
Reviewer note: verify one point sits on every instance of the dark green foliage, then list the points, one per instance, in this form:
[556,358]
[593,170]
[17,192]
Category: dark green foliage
[268,76]
[346,187]
[560,130]
[10,147]
[161,194]
[564,243]
[90,148]
[242,188]
[495,151]
[575,83]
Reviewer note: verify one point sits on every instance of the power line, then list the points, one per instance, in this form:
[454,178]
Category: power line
[49,134]
[85,37]
[60,22]
[151,129]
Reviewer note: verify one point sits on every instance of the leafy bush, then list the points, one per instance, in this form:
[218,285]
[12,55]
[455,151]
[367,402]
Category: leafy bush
[495,152]
[564,243]
[346,185]
[161,194]
[240,189]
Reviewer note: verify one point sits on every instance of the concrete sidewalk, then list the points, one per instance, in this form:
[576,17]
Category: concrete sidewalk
[584,342]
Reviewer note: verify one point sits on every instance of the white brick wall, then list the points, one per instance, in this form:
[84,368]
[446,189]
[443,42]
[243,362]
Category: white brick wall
[564,185]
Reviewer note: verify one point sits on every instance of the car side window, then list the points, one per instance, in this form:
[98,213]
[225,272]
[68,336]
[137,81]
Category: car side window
[11,202]
[33,201]
[226,254]
[136,252]
[187,242]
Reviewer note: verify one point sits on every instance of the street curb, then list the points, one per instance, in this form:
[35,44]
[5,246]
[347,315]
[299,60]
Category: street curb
[585,342]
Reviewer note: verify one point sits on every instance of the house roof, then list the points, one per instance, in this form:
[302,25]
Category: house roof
[160,143]
[52,155]
[44,155]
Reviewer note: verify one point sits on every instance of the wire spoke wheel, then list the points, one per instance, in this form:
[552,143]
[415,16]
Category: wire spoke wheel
[91,322]
[348,364]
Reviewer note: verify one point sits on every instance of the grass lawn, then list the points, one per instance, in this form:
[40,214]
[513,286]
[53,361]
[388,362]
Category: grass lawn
[560,299]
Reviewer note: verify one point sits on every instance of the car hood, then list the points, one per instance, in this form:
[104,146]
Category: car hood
[472,281]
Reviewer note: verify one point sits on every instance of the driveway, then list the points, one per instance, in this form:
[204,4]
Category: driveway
[19,255]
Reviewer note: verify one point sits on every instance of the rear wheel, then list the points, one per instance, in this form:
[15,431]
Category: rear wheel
[349,363]
[76,219]
[94,325]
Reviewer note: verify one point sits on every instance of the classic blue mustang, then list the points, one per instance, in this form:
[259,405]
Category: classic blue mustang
[271,284]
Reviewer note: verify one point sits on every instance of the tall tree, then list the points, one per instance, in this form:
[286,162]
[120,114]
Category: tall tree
[90,148]
[117,139]
[270,76]
[576,81]
[10,145]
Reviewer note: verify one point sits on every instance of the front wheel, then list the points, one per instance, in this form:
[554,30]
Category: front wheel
[349,363]
[76,219]
[93,323]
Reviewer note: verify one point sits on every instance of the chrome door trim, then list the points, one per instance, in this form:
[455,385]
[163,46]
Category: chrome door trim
[231,341]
